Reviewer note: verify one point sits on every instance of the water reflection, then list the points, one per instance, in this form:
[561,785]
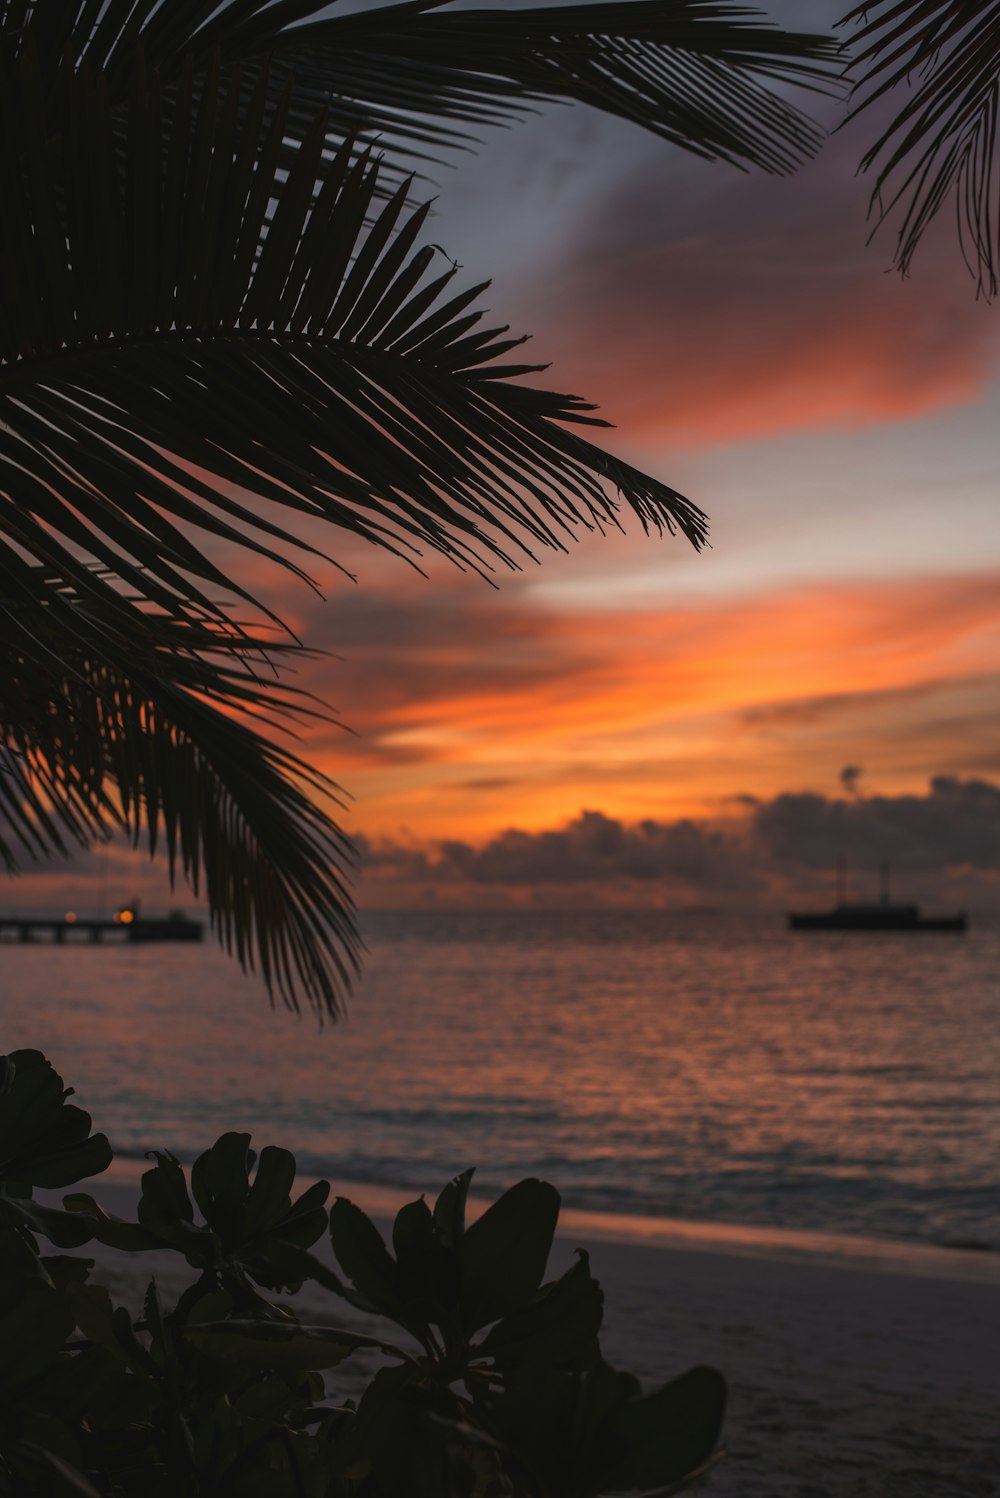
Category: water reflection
[706,1067]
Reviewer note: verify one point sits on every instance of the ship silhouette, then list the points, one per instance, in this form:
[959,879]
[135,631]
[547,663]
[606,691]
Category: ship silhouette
[880,915]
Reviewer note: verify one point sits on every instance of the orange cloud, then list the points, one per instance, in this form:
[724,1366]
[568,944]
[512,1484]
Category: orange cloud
[472,710]
[475,711]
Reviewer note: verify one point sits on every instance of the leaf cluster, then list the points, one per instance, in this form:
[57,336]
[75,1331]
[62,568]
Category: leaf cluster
[488,1381]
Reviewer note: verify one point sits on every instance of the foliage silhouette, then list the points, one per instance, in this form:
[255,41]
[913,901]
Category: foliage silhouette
[941,144]
[219,322]
[497,1386]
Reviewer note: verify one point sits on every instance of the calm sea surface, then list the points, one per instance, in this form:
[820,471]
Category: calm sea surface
[706,1067]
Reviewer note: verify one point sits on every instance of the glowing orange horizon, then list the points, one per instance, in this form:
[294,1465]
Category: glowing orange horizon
[527,715]
[672,711]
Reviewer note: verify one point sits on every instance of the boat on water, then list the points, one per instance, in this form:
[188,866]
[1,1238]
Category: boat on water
[880,915]
[874,918]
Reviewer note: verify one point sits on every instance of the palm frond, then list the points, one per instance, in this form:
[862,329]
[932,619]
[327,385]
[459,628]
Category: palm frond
[167,328]
[173,342]
[157,733]
[696,73]
[944,55]
[423,79]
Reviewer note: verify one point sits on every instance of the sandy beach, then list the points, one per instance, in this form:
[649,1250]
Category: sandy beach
[854,1371]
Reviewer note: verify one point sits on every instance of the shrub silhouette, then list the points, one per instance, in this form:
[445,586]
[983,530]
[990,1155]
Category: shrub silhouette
[490,1378]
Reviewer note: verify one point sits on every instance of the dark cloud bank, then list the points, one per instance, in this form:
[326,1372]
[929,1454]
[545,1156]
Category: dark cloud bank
[946,842]
[943,848]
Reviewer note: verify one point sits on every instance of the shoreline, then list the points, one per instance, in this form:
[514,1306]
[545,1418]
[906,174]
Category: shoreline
[849,1377]
[786,1245]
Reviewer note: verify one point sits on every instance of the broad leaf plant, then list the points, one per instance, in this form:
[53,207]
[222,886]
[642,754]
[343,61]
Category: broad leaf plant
[480,1377]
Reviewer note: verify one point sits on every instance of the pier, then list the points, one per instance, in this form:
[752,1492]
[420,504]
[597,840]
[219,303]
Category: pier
[125,926]
[37,928]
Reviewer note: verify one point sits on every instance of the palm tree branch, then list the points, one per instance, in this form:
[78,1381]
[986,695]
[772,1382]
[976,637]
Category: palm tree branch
[162,744]
[336,380]
[422,78]
[180,351]
[697,74]
[942,142]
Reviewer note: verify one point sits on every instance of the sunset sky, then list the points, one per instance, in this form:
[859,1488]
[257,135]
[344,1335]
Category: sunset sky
[839,426]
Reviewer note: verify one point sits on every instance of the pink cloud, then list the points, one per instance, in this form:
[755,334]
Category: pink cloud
[711,309]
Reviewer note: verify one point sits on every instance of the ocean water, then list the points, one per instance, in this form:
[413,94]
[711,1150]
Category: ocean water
[715,1068]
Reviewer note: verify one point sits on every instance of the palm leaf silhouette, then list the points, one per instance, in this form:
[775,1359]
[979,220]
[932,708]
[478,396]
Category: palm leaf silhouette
[189,335]
[942,143]
[153,731]
[423,79]
[138,373]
